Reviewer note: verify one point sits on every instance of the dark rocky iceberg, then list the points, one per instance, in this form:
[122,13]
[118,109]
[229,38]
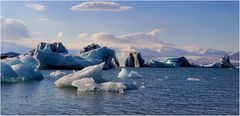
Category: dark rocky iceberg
[224,62]
[132,59]
[9,55]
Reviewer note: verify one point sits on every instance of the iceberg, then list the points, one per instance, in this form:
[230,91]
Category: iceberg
[178,62]
[94,72]
[7,73]
[123,73]
[60,61]
[132,59]
[89,48]
[102,54]
[157,64]
[112,86]
[9,55]
[84,84]
[57,73]
[224,62]
[134,74]
[21,69]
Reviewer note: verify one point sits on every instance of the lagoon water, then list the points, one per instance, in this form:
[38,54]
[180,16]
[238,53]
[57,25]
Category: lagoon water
[167,91]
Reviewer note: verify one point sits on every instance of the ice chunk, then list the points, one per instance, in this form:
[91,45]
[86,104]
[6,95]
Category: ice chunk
[92,71]
[112,86]
[12,61]
[48,48]
[85,84]
[134,74]
[29,60]
[142,87]
[57,73]
[193,79]
[123,73]
[7,73]
[25,72]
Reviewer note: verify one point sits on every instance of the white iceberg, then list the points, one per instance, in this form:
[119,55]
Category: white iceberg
[112,86]
[91,71]
[85,84]
[123,74]
[57,73]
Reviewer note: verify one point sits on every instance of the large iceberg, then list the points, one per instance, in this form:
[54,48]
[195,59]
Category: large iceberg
[94,72]
[103,54]
[132,59]
[58,61]
[20,69]
[224,62]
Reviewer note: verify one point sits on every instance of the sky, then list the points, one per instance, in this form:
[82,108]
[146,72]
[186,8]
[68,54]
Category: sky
[124,25]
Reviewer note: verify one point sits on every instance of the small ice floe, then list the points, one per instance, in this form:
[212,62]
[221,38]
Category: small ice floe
[193,79]
[134,83]
[134,74]
[85,84]
[142,87]
[214,78]
[112,86]
[159,79]
[57,73]
[166,76]
[124,73]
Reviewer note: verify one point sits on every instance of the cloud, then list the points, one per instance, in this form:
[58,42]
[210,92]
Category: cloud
[127,41]
[100,6]
[13,29]
[60,34]
[37,7]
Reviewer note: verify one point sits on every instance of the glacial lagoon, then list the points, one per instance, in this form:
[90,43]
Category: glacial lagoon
[160,91]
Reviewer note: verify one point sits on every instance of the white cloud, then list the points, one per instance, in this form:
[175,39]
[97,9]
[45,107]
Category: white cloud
[127,41]
[60,34]
[13,29]
[100,6]
[37,7]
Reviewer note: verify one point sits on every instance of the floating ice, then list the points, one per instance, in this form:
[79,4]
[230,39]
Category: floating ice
[7,73]
[22,68]
[112,86]
[91,71]
[134,74]
[85,84]
[123,73]
[57,73]
[193,79]
[142,87]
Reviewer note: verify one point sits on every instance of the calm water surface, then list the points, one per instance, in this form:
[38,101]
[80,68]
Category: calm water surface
[167,91]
